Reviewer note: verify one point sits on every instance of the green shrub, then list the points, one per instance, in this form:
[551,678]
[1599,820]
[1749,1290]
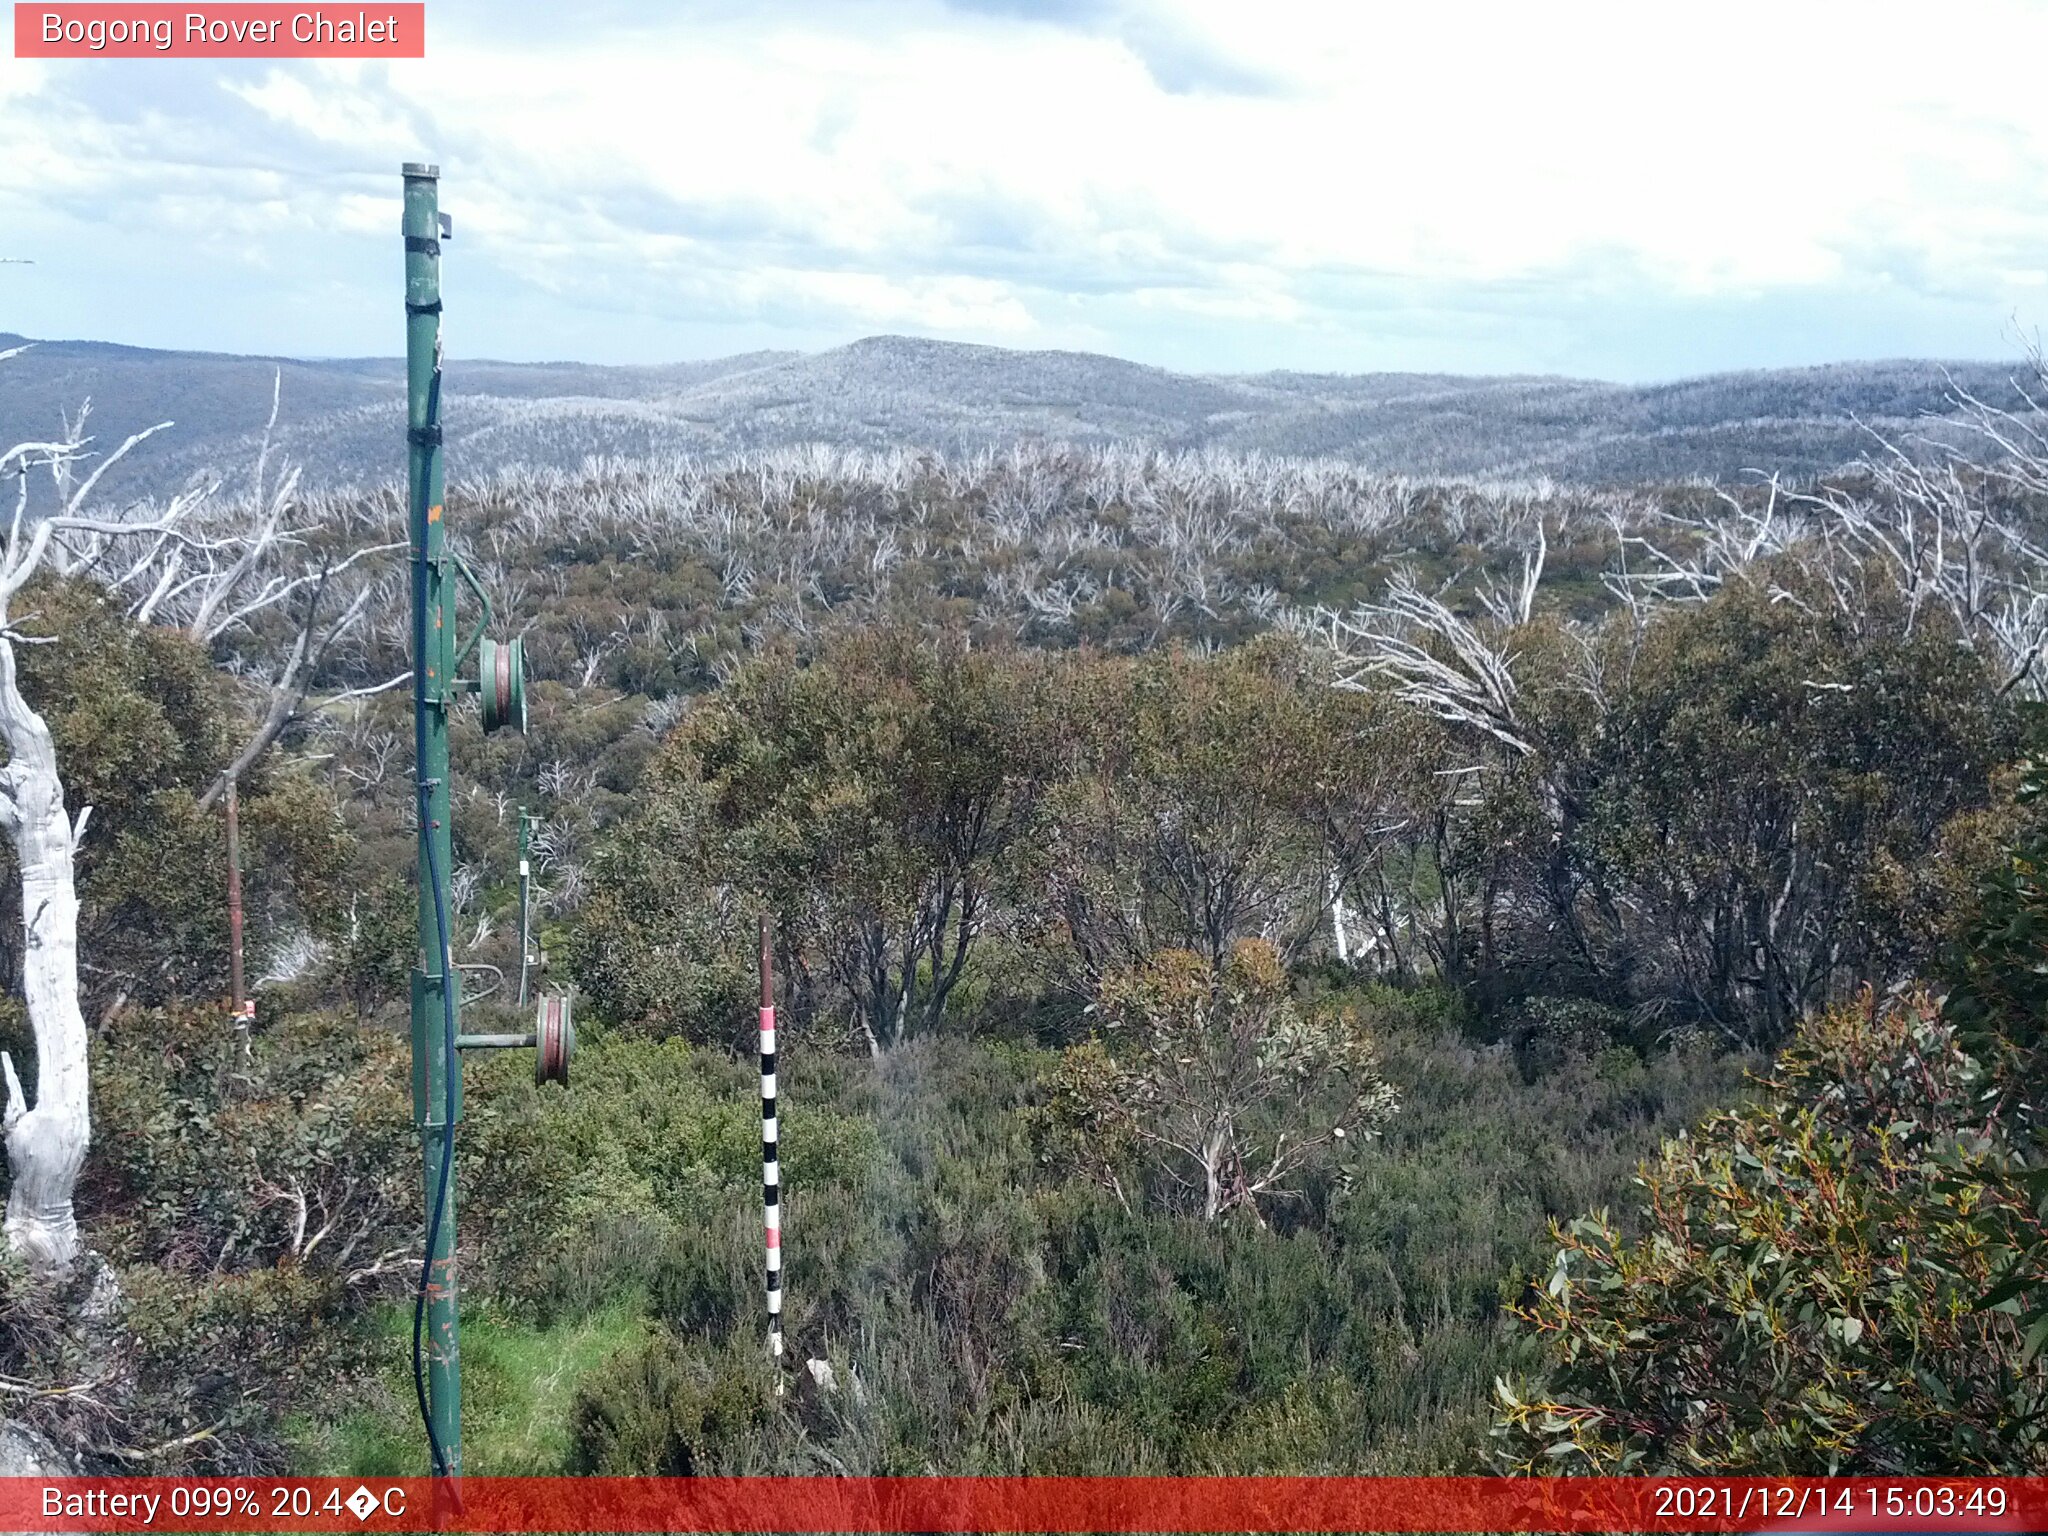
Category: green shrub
[1549,1032]
[221,1362]
[1807,1293]
[1230,1089]
[664,1410]
[646,1172]
[216,1156]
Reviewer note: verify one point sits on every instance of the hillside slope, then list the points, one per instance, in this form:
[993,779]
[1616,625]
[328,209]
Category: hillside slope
[340,418]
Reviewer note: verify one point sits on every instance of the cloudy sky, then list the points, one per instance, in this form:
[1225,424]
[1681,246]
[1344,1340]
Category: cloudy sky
[1620,190]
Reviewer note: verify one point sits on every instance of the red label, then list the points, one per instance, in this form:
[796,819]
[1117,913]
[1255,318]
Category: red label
[261,31]
[1963,1506]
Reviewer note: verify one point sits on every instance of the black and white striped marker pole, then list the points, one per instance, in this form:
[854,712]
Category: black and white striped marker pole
[771,1167]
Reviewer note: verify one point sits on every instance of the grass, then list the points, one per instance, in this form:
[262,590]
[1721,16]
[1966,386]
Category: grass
[517,1384]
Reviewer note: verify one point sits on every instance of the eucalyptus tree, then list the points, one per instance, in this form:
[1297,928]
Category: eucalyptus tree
[1505,690]
[1769,778]
[1207,800]
[871,801]
[1714,796]
[273,591]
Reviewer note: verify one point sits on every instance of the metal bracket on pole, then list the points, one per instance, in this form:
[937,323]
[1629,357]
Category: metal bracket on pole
[483,600]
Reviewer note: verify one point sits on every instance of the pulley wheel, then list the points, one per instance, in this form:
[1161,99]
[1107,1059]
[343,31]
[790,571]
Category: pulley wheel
[554,1039]
[501,680]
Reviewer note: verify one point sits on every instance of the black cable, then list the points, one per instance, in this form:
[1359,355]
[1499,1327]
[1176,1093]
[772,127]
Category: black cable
[419,1309]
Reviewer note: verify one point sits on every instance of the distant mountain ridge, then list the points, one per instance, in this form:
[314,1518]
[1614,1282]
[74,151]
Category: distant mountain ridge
[341,418]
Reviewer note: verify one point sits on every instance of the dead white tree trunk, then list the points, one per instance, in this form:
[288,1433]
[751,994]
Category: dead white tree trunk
[45,1144]
[47,1140]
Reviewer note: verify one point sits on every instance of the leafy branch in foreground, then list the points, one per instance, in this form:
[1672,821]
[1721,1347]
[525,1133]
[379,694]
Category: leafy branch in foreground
[1809,1290]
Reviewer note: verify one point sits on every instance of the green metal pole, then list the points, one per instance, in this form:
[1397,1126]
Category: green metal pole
[436,1074]
[525,895]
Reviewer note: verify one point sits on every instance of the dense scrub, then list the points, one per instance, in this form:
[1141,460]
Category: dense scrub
[984,1310]
[1716,818]
[1130,826]
[251,1202]
[143,722]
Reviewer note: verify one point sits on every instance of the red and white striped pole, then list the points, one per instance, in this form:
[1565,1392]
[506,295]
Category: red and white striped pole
[771,1167]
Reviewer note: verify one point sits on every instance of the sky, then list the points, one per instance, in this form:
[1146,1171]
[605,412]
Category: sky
[1623,191]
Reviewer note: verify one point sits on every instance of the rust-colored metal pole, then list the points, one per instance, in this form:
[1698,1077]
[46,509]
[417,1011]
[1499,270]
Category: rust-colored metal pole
[235,988]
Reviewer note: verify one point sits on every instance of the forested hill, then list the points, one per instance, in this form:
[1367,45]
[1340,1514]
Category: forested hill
[336,416]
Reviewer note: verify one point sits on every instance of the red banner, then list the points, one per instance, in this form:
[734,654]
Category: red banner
[1026,1504]
[243,31]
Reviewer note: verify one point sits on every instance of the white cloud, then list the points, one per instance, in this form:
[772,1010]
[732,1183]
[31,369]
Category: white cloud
[904,163]
[945,304]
